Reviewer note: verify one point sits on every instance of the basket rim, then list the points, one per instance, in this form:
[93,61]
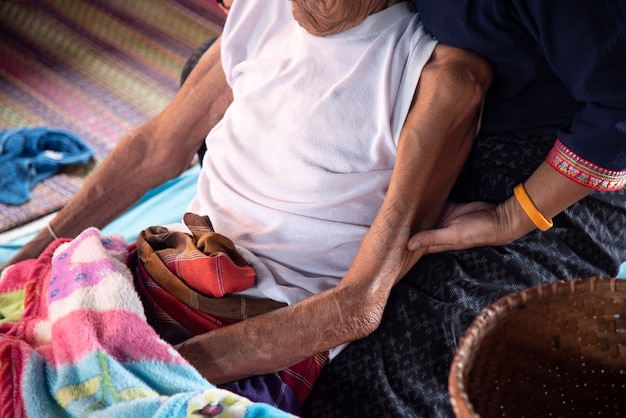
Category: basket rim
[486,320]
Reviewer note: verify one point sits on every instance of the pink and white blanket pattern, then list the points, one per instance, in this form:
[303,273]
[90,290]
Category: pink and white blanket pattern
[82,346]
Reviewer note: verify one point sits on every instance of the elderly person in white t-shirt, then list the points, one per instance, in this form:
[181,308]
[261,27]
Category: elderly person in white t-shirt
[335,131]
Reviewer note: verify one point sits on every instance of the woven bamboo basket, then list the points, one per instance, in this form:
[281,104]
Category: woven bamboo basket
[551,351]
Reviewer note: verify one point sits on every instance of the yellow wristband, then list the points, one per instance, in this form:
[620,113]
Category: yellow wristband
[530,209]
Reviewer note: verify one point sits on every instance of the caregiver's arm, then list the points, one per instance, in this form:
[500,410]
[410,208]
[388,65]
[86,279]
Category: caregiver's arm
[594,75]
[146,156]
[433,146]
[478,224]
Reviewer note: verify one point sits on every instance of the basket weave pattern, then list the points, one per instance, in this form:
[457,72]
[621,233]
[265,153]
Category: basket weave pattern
[551,351]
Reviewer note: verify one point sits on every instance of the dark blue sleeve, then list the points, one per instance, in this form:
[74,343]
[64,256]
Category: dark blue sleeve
[558,64]
[584,41]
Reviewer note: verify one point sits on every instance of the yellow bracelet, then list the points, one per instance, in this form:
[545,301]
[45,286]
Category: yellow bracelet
[531,210]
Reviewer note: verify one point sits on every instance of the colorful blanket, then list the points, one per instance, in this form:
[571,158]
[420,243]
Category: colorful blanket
[81,345]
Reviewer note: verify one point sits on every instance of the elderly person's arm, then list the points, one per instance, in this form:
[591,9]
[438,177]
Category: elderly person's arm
[433,146]
[146,156]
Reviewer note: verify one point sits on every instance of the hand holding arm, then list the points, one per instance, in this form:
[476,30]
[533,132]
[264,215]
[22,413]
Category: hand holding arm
[146,156]
[594,76]
[433,146]
[479,224]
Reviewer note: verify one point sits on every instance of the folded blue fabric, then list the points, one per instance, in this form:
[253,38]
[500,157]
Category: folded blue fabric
[30,155]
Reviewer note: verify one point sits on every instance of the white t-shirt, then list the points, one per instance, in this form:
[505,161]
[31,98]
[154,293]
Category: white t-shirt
[298,167]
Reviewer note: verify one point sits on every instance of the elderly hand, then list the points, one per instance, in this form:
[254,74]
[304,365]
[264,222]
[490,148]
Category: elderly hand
[469,225]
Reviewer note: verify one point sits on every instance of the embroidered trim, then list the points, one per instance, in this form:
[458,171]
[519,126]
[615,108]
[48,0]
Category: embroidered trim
[583,171]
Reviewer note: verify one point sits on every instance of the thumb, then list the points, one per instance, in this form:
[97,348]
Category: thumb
[426,240]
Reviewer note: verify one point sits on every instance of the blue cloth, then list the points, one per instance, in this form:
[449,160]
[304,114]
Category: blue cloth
[557,64]
[622,271]
[163,205]
[30,155]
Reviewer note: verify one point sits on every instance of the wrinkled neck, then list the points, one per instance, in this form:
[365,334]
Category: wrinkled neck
[326,17]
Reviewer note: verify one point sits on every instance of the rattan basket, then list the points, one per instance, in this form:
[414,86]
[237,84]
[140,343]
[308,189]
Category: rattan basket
[550,351]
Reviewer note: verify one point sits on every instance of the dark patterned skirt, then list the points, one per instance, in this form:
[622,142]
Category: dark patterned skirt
[401,370]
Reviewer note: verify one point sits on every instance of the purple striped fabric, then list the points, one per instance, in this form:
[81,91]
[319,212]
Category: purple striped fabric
[94,68]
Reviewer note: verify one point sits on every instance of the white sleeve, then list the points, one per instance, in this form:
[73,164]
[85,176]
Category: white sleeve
[422,47]
[249,25]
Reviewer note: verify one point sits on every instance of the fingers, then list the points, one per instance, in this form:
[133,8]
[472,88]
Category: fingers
[424,240]
[462,226]
[435,241]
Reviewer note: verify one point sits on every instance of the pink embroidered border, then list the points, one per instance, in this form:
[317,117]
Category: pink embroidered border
[584,172]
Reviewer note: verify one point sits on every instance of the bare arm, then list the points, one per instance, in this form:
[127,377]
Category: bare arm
[146,156]
[433,145]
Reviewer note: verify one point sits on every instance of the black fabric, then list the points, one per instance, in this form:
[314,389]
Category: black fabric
[401,370]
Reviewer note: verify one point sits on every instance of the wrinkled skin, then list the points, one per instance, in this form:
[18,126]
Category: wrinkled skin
[326,17]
